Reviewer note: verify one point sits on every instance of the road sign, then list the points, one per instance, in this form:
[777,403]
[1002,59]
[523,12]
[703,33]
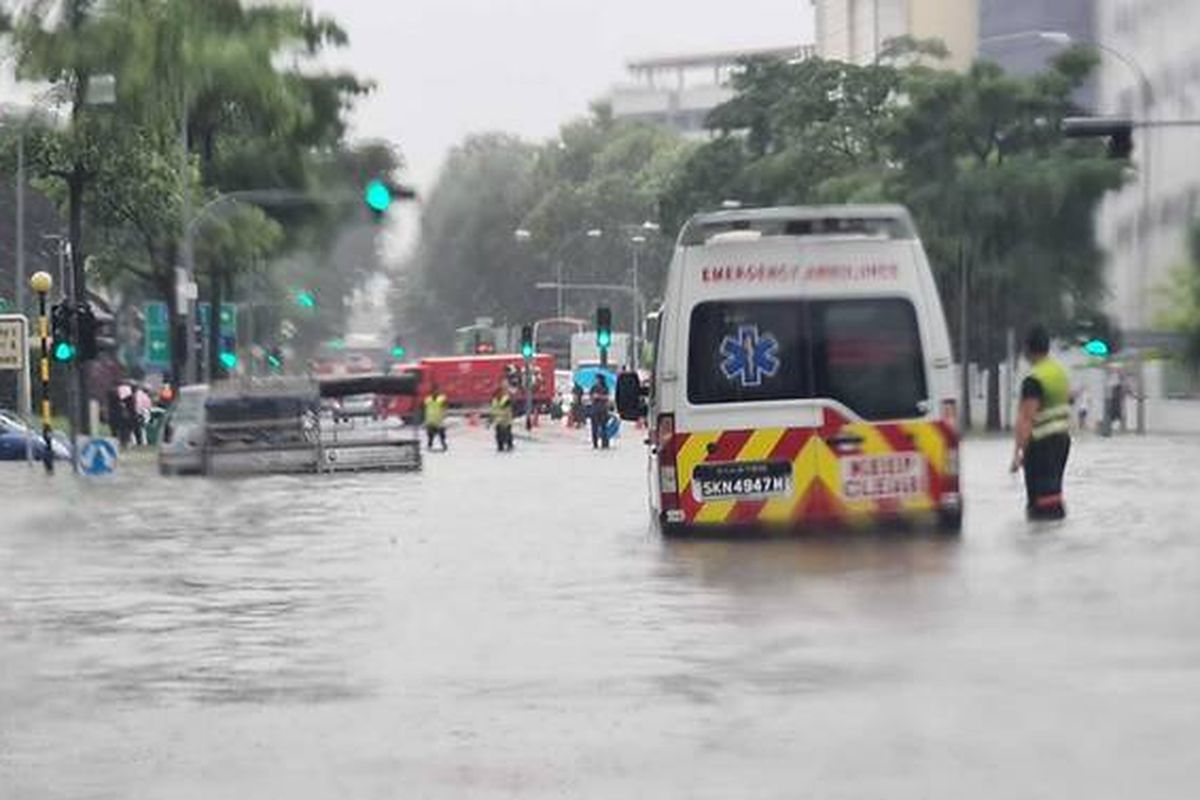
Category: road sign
[13,345]
[156,335]
[98,457]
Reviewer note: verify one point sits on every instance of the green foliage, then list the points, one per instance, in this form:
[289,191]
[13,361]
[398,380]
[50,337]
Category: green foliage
[1182,297]
[599,174]
[260,114]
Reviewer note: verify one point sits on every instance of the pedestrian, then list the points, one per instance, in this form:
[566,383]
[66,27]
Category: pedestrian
[435,417]
[599,412]
[1043,430]
[576,405]
[126,415]
[116,417]
[502,416]
[141,407]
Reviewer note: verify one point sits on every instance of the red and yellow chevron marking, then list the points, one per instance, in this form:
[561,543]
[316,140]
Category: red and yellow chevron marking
[816,470]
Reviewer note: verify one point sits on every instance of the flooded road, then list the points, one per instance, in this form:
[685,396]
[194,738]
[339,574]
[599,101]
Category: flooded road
[509,626]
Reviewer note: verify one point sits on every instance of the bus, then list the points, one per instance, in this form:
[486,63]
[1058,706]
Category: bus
[553,336]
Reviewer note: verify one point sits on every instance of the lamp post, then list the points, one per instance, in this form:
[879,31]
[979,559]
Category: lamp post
[41,283]
[640,236]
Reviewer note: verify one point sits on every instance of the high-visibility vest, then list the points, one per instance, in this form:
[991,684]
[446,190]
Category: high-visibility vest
[502,411]
[1054,417]
[435,410]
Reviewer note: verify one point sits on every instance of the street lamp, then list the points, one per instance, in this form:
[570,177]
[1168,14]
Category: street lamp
[524,235]
[639,236]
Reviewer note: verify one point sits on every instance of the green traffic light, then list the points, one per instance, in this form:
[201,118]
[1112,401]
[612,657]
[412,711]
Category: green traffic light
[64,351]
[378,196]
[527,350]
[1097,348]
[228,360]
[604,338]
[398,352]
[306,299]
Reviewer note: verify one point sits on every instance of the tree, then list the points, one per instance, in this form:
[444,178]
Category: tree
[1002,199]
[978,157]
[258,115]
[467,263]
[1183,296]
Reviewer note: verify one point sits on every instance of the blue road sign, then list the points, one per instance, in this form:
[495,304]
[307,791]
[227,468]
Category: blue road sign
[98,457]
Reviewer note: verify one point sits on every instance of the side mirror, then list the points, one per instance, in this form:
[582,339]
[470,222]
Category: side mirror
[630,405]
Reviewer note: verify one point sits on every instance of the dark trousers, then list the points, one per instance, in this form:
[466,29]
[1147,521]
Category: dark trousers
[600,427]
[1045,462]
[504,437]
[435,432]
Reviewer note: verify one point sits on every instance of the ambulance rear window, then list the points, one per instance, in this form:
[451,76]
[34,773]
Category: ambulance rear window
[867,355]
[863,353]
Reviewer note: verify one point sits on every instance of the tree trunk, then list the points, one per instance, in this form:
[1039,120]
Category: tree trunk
[177,341]
[75,187]
[993,364]
[215,287]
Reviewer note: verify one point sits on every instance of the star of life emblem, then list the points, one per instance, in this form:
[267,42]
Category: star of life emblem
[748,357]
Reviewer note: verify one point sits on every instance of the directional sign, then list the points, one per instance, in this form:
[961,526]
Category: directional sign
[13,347]
[98,457]
[156,336]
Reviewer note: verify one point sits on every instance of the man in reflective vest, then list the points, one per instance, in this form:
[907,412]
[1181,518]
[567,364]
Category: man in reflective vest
[502,416]
[435,417]
[1043,430]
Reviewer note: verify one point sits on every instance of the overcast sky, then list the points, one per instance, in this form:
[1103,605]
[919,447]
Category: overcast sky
[446,68]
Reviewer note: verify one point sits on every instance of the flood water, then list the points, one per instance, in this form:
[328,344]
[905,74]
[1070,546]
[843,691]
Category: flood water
[510,626]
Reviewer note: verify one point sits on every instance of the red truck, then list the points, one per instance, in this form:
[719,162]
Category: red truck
[469,382]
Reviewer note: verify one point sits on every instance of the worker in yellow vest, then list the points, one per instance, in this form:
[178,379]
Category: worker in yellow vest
[502,416]
[435,417]
[1043,430]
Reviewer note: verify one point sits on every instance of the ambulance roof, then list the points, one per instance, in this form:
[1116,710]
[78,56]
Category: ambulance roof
[863,221]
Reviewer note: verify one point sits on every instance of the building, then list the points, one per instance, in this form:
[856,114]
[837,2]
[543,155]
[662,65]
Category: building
[856,30]
[680,91]
[1144,227]
[1023,35]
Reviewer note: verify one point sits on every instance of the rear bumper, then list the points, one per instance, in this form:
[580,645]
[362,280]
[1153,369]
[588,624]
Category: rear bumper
[948,514]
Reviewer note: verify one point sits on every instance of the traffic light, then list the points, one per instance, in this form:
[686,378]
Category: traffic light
[96,334]
[527,341]
[1118,131]
[604,327]
[379,195]
[60,330]
[398,350]
[275,359]
[228,357]
[1096,348]
[306,299]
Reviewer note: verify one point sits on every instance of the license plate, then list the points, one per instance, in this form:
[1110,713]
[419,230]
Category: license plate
[742,480]
[887,477]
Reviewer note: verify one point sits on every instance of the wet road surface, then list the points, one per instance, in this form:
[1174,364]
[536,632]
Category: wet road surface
[509,626]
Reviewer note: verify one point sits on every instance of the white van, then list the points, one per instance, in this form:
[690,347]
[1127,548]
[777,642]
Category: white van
[803,375]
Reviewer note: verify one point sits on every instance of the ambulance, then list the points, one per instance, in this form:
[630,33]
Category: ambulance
[803,376]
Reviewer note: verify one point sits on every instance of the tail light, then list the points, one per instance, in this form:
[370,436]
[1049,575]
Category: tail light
[668,478]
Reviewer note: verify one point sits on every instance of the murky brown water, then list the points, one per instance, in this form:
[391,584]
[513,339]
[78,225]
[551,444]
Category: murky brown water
[510,627]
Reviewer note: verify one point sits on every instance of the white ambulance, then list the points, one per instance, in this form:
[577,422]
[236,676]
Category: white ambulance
[803,376]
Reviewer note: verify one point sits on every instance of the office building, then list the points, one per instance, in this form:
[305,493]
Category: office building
[856,30]
[680,91]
